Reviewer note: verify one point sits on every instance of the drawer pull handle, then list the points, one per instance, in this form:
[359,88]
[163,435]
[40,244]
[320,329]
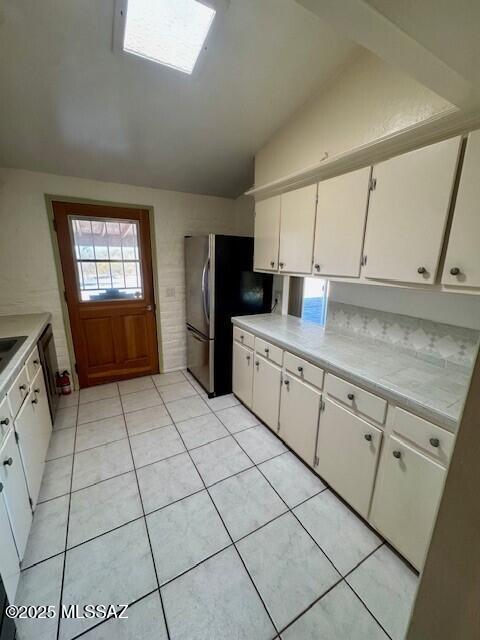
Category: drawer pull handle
[351,396]
[421,270]
[435,442]
[397,454]
[5,422]
[300,369]
[368,437]
[455,271]
[35,401]
[22,387]
[8,462]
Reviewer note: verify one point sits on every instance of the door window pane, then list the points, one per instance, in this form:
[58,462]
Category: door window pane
[315,295]
[107,254]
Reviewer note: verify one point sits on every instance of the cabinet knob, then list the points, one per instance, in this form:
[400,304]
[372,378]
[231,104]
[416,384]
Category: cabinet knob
[286,382]
[317,267]
[36,363]
[257,363]
[35,401]
[455,271]
[248,358]
[435,442]
[5,421]
[242,338]
[397,454]
[368,437]
[8,462]
[266,350]
[281,265]
[37,390]
[1,487]
[22,387]
[300,369]
[272,263]
[421,270]
[350,396]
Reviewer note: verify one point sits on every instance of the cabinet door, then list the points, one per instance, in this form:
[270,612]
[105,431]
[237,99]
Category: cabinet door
[33,443]
[9,564]
[297,227]
[242,374]
[462,262]
[347,452]
[266,391]
[406,499]
[299,411]
[267,234]
[340,225]
[15,492]
[43,425]
[408,211]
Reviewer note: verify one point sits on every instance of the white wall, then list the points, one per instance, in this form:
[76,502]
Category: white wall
[366,100]
[451,308]
[28,280]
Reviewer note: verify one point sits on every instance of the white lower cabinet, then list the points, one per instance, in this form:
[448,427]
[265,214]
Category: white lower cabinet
[266,391]
[407,495]
[242,373]
[299,412]
[15,492]
[9,564]
[33,427]
[347,452]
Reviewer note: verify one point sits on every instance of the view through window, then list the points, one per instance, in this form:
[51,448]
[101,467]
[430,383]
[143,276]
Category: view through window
[107,257]
[315,295]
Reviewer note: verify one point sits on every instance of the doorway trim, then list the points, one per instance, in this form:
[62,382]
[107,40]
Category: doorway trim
[49,199]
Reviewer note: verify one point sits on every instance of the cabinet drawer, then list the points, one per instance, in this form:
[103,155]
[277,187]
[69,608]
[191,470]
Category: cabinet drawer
[357,399]
[18,391]
[33,364]
[5,418]
[269,351]
[436,441]
[303,369]
[245,338]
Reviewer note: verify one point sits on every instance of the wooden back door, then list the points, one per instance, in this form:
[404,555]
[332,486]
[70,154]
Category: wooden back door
[106,260]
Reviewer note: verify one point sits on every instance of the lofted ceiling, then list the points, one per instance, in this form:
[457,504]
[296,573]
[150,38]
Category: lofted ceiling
[71,105]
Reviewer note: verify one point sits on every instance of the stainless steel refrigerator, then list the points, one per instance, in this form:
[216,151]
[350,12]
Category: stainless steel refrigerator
[220,283]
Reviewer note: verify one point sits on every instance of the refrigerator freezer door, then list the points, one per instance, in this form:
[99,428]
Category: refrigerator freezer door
[200,358]
[198,283]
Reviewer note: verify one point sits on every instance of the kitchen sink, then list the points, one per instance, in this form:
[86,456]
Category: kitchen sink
[8,348]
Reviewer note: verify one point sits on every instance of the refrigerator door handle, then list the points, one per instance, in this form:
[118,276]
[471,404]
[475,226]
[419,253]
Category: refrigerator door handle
[205,296]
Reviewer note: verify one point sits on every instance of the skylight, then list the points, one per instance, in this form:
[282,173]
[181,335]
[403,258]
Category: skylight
[171,32]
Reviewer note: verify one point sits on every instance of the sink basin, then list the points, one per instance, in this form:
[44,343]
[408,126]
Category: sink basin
[8,348]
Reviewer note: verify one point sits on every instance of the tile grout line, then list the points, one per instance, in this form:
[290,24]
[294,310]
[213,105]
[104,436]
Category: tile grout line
[228,532]
[147,531]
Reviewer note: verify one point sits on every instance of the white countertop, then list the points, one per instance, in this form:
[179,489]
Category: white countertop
[32,326]
[431,391]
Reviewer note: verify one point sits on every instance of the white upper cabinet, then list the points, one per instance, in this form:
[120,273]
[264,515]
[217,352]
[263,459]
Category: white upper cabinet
[340,226]
[462,261]
[297,228]
[267,233]
[408,212]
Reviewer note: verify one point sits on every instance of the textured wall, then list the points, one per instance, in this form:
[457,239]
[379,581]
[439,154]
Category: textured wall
[28,281]
[366,100]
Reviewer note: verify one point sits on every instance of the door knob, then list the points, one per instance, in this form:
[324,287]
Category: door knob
[455,271]
[421,270]
[148,307]
[8,462]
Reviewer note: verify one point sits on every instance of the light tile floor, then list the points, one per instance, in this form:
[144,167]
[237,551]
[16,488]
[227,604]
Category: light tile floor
[200,519]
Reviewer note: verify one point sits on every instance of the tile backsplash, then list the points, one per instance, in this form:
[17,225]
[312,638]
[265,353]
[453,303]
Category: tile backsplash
[442,344]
